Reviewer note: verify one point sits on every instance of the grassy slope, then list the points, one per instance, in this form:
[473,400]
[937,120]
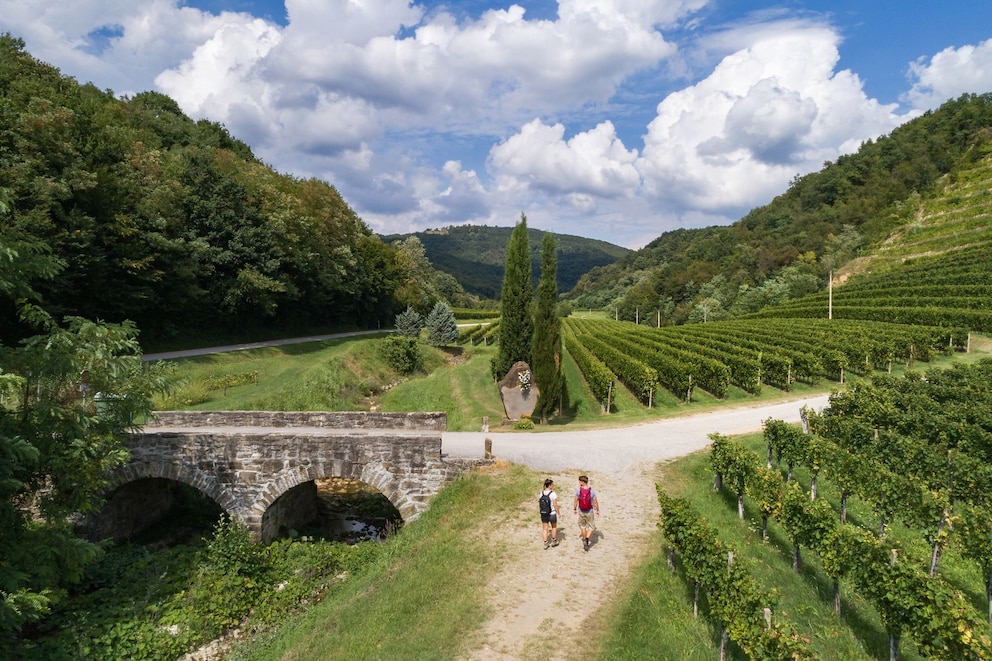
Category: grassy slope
[424,596]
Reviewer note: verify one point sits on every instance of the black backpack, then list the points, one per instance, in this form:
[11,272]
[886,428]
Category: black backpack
[544,503]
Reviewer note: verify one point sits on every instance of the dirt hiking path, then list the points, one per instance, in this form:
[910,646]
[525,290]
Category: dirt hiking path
[545,602]
[544,599]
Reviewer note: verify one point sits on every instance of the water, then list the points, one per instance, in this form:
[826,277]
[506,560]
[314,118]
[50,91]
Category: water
[351,511]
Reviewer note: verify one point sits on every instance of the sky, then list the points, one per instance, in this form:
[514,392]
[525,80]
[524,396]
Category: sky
[610,119]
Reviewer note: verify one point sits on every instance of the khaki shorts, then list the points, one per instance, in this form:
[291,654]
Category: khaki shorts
[587,520]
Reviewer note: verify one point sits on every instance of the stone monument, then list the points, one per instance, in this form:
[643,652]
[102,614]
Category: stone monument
[519,392]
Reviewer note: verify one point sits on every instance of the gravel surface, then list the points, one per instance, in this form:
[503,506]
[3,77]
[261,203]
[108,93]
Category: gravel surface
[615,450]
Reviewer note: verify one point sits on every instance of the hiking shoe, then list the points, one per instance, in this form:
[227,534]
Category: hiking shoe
[585,543]
[547,544]
[554,541]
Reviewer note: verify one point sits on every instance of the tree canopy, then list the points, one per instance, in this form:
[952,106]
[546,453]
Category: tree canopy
[127,209]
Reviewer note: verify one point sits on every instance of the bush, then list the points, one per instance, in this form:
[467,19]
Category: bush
[401,353]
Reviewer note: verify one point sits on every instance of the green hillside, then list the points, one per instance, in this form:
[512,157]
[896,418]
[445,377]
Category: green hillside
[786,249]
[127,209]
[934,269]
[474,255]
[922,291]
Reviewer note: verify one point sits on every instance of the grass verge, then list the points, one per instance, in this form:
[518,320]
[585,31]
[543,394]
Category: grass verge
[425,595]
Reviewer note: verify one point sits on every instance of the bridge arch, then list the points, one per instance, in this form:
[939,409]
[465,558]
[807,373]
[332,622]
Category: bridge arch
[247,461]
[374,473]
[203,482]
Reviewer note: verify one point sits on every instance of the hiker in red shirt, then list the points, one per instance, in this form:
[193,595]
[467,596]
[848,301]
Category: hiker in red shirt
[585,504]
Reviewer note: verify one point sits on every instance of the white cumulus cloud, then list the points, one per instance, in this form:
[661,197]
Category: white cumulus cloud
[951,73]
[768,111]
[591,163]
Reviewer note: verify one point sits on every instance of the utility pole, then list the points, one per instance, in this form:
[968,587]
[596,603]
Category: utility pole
[830,296]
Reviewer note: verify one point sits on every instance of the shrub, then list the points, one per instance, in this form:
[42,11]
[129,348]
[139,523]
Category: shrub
[401,353]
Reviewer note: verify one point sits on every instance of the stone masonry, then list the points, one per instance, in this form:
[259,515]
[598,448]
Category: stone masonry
[246,460]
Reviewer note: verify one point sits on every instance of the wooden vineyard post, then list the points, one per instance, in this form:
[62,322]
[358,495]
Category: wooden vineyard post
[830,297]
[724,637]
[893,637]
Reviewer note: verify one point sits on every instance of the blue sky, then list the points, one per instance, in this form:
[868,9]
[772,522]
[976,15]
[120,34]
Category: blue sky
[611,119]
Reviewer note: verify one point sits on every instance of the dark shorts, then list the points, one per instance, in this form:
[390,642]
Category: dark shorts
[549,518]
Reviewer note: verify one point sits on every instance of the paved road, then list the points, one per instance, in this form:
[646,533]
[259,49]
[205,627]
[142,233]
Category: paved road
[615,450]
[187,353]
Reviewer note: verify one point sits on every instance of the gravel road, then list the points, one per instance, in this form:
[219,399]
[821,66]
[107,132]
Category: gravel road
[616,450]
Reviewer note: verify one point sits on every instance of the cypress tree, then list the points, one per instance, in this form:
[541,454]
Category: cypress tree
[546,347]
[516,325]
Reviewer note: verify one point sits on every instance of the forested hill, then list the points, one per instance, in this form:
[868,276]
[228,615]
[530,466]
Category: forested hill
[128,209]
[474,255]
[785,249]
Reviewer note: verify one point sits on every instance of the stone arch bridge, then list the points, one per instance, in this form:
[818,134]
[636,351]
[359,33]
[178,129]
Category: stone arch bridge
[260,466]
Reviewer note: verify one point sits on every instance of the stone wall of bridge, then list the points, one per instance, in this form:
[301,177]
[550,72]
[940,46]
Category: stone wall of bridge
[245,461]
[347,420]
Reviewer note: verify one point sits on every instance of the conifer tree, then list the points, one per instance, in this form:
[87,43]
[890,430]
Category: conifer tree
[409,323]
[516,324]
[441,326]
[546,347]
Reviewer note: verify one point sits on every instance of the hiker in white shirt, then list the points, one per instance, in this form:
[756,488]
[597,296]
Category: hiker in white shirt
[548,505]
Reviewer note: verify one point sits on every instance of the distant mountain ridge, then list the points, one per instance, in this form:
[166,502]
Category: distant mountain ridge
[474,255]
